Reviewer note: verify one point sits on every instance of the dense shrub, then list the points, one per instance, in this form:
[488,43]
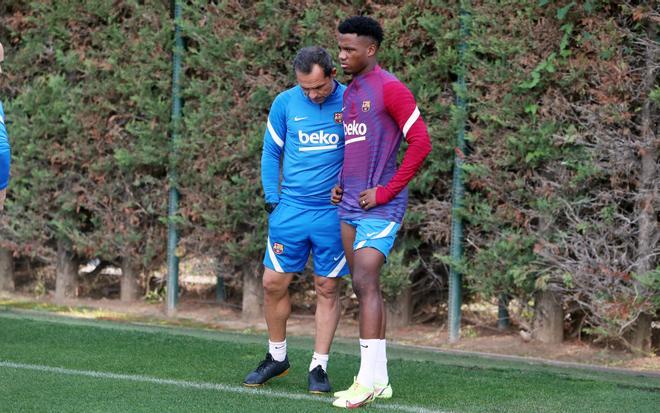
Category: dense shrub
[558,98]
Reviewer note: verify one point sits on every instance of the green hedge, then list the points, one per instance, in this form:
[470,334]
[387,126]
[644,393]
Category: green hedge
[88,98]
[551,85]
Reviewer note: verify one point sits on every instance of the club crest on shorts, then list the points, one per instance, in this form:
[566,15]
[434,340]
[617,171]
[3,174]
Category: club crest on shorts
[366,105]
[338,117]
[278,248]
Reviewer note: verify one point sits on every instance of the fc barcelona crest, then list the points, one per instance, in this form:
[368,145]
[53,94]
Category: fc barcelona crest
[338,117]
[278,248]
[366,105]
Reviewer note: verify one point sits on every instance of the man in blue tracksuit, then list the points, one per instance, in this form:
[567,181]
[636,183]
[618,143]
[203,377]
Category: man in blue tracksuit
[304,128]
[5,157]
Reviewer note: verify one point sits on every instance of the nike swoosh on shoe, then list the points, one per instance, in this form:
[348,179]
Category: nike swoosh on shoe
[366,400]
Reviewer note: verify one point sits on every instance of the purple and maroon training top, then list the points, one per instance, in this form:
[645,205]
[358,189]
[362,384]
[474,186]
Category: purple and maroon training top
[378,111]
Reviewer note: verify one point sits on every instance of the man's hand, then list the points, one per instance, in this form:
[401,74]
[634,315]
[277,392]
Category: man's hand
[336,194]
[3,195]
[270,206]
[368,199]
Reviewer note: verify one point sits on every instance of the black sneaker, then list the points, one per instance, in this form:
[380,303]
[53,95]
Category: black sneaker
[318,381]
[266,370]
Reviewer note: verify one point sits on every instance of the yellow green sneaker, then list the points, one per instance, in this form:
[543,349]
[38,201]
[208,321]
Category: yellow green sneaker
[356,396]
[342,393]
[381,391]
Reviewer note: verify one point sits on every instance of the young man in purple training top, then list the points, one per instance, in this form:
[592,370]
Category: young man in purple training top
[372,196]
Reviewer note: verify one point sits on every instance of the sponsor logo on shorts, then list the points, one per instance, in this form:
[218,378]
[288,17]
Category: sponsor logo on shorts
[278,248]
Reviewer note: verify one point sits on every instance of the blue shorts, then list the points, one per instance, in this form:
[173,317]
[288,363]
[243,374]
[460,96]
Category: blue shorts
[375,233]
[293,232]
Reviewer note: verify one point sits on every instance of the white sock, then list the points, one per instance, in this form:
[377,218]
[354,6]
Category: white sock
[368,354]
[277,350]
[380,374]
[319,360]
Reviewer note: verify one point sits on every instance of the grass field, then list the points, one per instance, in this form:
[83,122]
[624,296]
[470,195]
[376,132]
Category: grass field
[53,363]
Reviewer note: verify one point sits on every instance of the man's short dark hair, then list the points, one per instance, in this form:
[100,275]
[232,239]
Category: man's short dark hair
[307,57]
[362,26]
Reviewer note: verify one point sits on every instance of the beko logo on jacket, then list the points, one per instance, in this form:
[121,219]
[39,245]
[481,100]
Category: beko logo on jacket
[318,138]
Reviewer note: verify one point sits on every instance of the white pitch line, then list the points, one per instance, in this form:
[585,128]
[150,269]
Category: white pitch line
[201,385]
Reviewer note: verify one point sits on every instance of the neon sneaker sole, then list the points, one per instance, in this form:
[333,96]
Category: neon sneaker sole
[354,403]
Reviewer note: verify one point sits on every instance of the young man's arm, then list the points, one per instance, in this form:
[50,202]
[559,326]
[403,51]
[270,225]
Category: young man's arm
[274,139]
[5,158]
[401,105]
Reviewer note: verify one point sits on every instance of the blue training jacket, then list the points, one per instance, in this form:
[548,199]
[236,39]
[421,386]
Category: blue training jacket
[5,154]
[310,137]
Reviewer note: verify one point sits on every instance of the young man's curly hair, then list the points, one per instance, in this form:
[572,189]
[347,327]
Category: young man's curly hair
[362,26]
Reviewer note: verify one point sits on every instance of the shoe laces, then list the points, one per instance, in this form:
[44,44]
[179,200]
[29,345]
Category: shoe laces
[354,386]
[262,365]
[321,373]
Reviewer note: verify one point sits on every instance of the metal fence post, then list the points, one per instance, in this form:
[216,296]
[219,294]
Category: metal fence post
[173,202]
[458,189]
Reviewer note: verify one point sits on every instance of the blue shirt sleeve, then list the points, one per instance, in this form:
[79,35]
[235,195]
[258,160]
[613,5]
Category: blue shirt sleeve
[274,139]
[5,153]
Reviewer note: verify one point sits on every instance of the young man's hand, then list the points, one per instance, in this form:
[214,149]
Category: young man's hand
[368,199]
[336,194]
